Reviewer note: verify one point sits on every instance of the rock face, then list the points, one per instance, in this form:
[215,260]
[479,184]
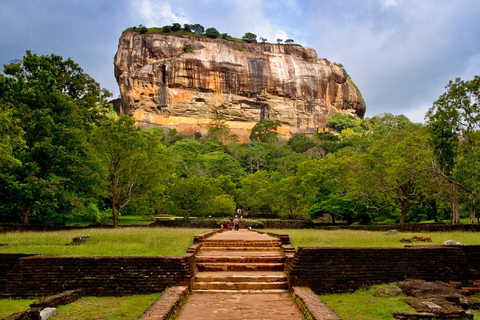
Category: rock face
[183,82]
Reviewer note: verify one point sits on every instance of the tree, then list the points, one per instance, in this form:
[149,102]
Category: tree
[55,106]
[212,33]
[197,28]
[279,41]
[265,131]
[389,174]
[10,136]
[342,121]
[193,196]
[300,143]
[218,129]
[176,26]
[289,41]
[453,121]
[249,37]
[264,40]
[254,195]
[187,27]
[167,29]
[132,162]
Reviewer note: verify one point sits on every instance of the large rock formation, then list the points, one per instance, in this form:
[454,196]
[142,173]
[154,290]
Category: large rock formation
[183,82]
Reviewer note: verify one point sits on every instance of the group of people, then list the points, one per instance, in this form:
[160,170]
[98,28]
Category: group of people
[234,223]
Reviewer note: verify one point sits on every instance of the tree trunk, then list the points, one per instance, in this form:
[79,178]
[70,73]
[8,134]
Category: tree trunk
[473,213]
[455,208]
[433,204]
[25,212]
[404,211]
[114,215]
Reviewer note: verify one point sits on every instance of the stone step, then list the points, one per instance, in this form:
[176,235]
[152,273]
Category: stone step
[258,276]
[229,266]
[207,248]
[241,291]
[237,243]
[224,285]
[239,259]
[250,253]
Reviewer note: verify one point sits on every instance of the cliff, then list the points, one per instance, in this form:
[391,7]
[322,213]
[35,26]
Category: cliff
[183,82]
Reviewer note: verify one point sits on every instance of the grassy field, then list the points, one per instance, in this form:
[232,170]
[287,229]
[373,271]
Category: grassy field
[110,308]
[11,306]
[87,308]
[353,238]
[133,241]
[363,305]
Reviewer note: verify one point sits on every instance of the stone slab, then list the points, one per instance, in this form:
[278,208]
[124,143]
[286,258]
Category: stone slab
[240,306]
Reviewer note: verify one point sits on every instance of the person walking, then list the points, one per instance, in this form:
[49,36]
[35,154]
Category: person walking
[236,224]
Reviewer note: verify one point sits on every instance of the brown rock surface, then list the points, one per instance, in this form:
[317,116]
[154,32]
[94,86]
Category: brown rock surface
[183,82]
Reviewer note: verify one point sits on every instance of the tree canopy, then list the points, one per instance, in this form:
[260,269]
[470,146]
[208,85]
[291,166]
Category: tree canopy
[64,154]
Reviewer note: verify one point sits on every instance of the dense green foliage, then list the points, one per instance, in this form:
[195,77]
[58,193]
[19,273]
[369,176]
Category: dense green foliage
[62,159]
[49,105]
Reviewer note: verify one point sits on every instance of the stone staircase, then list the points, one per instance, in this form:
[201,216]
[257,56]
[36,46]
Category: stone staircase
[229,264]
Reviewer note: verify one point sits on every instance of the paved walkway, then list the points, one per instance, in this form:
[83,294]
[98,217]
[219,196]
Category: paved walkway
[238,306]
[247,250]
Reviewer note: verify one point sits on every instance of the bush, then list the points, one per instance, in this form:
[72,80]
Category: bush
[212,33]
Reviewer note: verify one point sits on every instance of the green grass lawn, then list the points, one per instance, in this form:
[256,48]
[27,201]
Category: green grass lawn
[354,238]
[87,308]
[134,241]
[363,305]
[110,308]
[11,306]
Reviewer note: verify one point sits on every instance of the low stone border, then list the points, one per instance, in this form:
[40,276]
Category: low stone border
[168,305]
[311,305]
[284,238]
[199,238]
[45,308]
[58,299]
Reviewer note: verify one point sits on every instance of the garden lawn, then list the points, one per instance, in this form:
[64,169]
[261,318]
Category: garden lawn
[356,238]
[363,305]
[11,306]
[134,241]
[110,308]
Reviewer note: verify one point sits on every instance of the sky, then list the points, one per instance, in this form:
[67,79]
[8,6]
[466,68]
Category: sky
[400,53]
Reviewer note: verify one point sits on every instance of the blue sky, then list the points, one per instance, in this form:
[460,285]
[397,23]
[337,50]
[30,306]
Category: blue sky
[400,53]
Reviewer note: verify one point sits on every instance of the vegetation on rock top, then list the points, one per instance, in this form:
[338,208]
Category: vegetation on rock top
[197,30]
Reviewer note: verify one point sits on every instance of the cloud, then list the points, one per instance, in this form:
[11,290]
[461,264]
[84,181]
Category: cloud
[401,54]
[157,14]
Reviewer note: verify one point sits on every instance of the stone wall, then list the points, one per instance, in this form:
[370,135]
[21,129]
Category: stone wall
[245,223]
[410,227]
[46,275]
[332,269]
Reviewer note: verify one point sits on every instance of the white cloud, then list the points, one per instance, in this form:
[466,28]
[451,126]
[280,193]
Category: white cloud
[157,14]
[390,3]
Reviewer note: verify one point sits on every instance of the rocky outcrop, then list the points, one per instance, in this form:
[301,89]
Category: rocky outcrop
[183,82]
